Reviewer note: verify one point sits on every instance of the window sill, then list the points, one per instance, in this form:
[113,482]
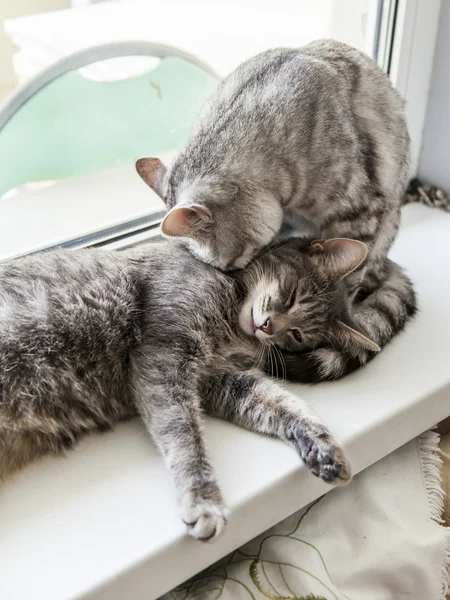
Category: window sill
[107,515]
[78,211]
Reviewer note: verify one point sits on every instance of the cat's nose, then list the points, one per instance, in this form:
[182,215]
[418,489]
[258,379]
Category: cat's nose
[266,327]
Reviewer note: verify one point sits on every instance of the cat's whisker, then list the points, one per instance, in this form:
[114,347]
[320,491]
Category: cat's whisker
[273,362]
[275,245]
[272,370]
[282,362]
[259,357]
[262,358]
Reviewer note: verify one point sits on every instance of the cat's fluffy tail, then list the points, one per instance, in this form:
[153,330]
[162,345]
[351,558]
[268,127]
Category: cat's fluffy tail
[382,314]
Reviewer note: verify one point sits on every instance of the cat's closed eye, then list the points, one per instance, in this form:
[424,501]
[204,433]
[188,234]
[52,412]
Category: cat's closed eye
[296,335]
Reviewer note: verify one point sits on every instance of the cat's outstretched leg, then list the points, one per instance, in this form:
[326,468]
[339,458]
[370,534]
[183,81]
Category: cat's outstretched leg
[385,304]
[170,408]
[258,404]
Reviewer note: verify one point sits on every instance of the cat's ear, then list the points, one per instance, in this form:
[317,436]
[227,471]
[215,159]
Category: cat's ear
[338,257]
[351,336]
[153,172]
[185,221]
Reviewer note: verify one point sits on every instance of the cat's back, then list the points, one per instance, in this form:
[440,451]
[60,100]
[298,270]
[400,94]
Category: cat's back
[279,78]
[373,99]
[94,302]
[62,289]
[67,323]
[322,105]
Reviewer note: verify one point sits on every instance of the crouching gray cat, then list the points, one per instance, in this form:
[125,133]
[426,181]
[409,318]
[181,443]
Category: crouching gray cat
[92,337]
[314,133]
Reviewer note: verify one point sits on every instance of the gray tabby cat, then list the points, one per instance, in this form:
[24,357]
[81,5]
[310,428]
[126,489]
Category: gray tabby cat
[315,133]
[92,337]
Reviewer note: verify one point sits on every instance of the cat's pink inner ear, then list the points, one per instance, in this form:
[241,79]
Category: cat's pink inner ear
[340,256]
[359,338]
[152,171]
[184,221]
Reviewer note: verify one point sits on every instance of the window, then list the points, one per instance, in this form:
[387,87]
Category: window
[70,135]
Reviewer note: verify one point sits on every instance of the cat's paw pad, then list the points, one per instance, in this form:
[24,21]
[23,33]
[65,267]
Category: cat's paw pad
[204,513]
[324,457]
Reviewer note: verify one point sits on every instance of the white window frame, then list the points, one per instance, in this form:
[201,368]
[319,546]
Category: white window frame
[412,61]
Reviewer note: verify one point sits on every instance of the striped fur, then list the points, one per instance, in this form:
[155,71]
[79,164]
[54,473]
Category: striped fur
[92,337]
[381,314]
[315,135]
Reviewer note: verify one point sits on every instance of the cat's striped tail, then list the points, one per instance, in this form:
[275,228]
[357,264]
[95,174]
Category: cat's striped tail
[430,195]
[381,315]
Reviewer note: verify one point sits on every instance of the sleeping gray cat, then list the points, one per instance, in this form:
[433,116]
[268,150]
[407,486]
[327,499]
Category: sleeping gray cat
[91,337]
[315,133]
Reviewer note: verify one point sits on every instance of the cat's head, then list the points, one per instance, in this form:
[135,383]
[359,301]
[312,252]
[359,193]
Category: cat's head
[296,298]
[224,224]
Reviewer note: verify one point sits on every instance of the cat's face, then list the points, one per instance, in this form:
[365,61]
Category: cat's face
[221,224]
[296,298]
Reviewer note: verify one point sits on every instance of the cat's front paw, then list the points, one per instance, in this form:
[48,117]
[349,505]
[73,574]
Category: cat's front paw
[324,457]
[204,513]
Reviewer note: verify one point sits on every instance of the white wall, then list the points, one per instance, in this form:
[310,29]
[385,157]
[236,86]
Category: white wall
[434,165]
[18,8]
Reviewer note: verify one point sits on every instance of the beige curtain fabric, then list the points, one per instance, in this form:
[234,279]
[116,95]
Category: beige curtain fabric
[377,539]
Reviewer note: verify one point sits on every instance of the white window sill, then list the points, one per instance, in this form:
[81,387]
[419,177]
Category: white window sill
[101,523]
[99,205]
